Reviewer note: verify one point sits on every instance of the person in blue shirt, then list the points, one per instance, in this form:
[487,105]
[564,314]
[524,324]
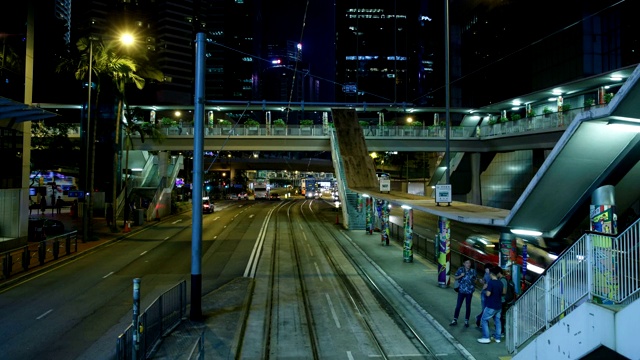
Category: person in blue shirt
[493,307]
[484,281]
[466,277]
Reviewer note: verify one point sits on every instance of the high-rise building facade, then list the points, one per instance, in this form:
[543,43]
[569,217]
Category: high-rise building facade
[510,48]
[385,51]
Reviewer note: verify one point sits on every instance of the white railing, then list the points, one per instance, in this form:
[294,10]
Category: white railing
[599,268]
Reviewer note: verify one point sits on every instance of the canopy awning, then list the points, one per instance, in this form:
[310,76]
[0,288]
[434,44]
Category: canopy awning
[17,112]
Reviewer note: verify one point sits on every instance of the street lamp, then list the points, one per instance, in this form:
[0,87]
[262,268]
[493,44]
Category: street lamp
[88,200]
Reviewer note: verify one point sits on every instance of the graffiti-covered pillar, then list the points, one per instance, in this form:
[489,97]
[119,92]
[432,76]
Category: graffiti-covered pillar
[407,252]
[384,223]
[444,256]
[603,219]
[507,247]
[602,215]
[368,208]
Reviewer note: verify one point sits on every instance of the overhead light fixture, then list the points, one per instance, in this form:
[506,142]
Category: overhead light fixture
[552,99]
[365,195]
[616,78]
[625,125]
[526,232]
[516,103]
[556,92]
[406,207]
[515,108]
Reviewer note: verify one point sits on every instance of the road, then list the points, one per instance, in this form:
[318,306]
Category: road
[77,310]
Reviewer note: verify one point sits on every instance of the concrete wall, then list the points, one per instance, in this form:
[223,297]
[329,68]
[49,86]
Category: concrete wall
[584,330]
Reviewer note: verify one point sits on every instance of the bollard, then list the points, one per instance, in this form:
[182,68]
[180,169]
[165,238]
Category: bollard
[67,244]
[26,259]
[56,249]
[136,312]
[7,264]
[42,251]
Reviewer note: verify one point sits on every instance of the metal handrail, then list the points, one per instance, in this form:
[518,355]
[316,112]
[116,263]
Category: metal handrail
[597,267]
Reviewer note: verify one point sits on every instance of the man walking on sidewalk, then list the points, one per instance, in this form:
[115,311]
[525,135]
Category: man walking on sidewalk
[493,307]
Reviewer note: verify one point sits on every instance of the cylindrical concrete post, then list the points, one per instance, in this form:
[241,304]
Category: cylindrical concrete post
[407,252]
[602,213]
[444,254]
[506,244]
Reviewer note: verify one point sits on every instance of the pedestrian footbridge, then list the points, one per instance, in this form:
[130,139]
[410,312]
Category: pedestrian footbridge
[588,298]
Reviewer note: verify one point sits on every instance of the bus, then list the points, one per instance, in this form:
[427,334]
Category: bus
[308,186]
[261,189]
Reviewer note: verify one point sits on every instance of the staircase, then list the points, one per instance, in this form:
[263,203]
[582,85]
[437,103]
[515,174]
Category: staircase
[587,300]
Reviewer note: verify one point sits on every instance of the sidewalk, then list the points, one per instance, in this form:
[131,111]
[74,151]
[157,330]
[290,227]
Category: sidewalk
[102,234]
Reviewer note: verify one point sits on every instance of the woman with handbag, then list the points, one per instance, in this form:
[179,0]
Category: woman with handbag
[466,278]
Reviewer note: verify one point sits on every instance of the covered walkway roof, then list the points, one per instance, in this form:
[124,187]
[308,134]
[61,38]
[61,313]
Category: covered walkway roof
[592,152]
[16,112]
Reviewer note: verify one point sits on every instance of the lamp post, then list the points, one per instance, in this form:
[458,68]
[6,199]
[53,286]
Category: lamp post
[88,200]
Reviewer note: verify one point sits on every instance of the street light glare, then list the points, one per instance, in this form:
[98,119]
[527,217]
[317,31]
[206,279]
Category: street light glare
[127,39]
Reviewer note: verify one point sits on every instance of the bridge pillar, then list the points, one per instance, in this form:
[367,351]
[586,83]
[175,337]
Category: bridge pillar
[475,196]
[507,254]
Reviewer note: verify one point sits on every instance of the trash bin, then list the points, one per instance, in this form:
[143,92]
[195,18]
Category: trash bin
[138,217]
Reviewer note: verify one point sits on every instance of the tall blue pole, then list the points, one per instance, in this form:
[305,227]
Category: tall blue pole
[198,169]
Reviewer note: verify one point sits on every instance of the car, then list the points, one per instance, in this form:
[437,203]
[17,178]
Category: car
[274,196]
[243,196]
[41,228]
[232,197]
[207,206]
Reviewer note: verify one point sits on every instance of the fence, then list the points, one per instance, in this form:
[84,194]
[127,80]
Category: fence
[599,268]
[158,320]
[19,260]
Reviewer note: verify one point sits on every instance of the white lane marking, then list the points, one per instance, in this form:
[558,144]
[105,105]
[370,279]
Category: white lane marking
[216,218]
[252,215]
[109,274]
[333,311]
[318,271]
[252,265]
[305,237]
[165,238]
[45,314]
[349,355]
[142,253]
[310,251]
[177,221]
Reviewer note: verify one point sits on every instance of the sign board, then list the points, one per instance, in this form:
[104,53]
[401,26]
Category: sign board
[443,193]
[385,185]
[76,194]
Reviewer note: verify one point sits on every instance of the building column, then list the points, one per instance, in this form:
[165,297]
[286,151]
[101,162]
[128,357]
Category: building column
[443,239]
[369,215]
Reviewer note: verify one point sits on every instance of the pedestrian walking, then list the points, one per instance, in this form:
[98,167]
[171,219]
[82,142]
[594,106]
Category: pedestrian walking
[493,308]
[466,277]
[59,203]
[484,281]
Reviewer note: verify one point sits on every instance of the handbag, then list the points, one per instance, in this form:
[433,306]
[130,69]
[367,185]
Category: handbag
[456,285]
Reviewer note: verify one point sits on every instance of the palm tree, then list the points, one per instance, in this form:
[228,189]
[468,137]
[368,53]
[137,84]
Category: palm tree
[122,70]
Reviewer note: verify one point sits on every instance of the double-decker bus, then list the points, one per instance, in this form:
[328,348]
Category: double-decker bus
[308,186]
[261,189]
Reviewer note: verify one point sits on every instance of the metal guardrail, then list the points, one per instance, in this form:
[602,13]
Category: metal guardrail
[21,259]
[599,268]
[159,319]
